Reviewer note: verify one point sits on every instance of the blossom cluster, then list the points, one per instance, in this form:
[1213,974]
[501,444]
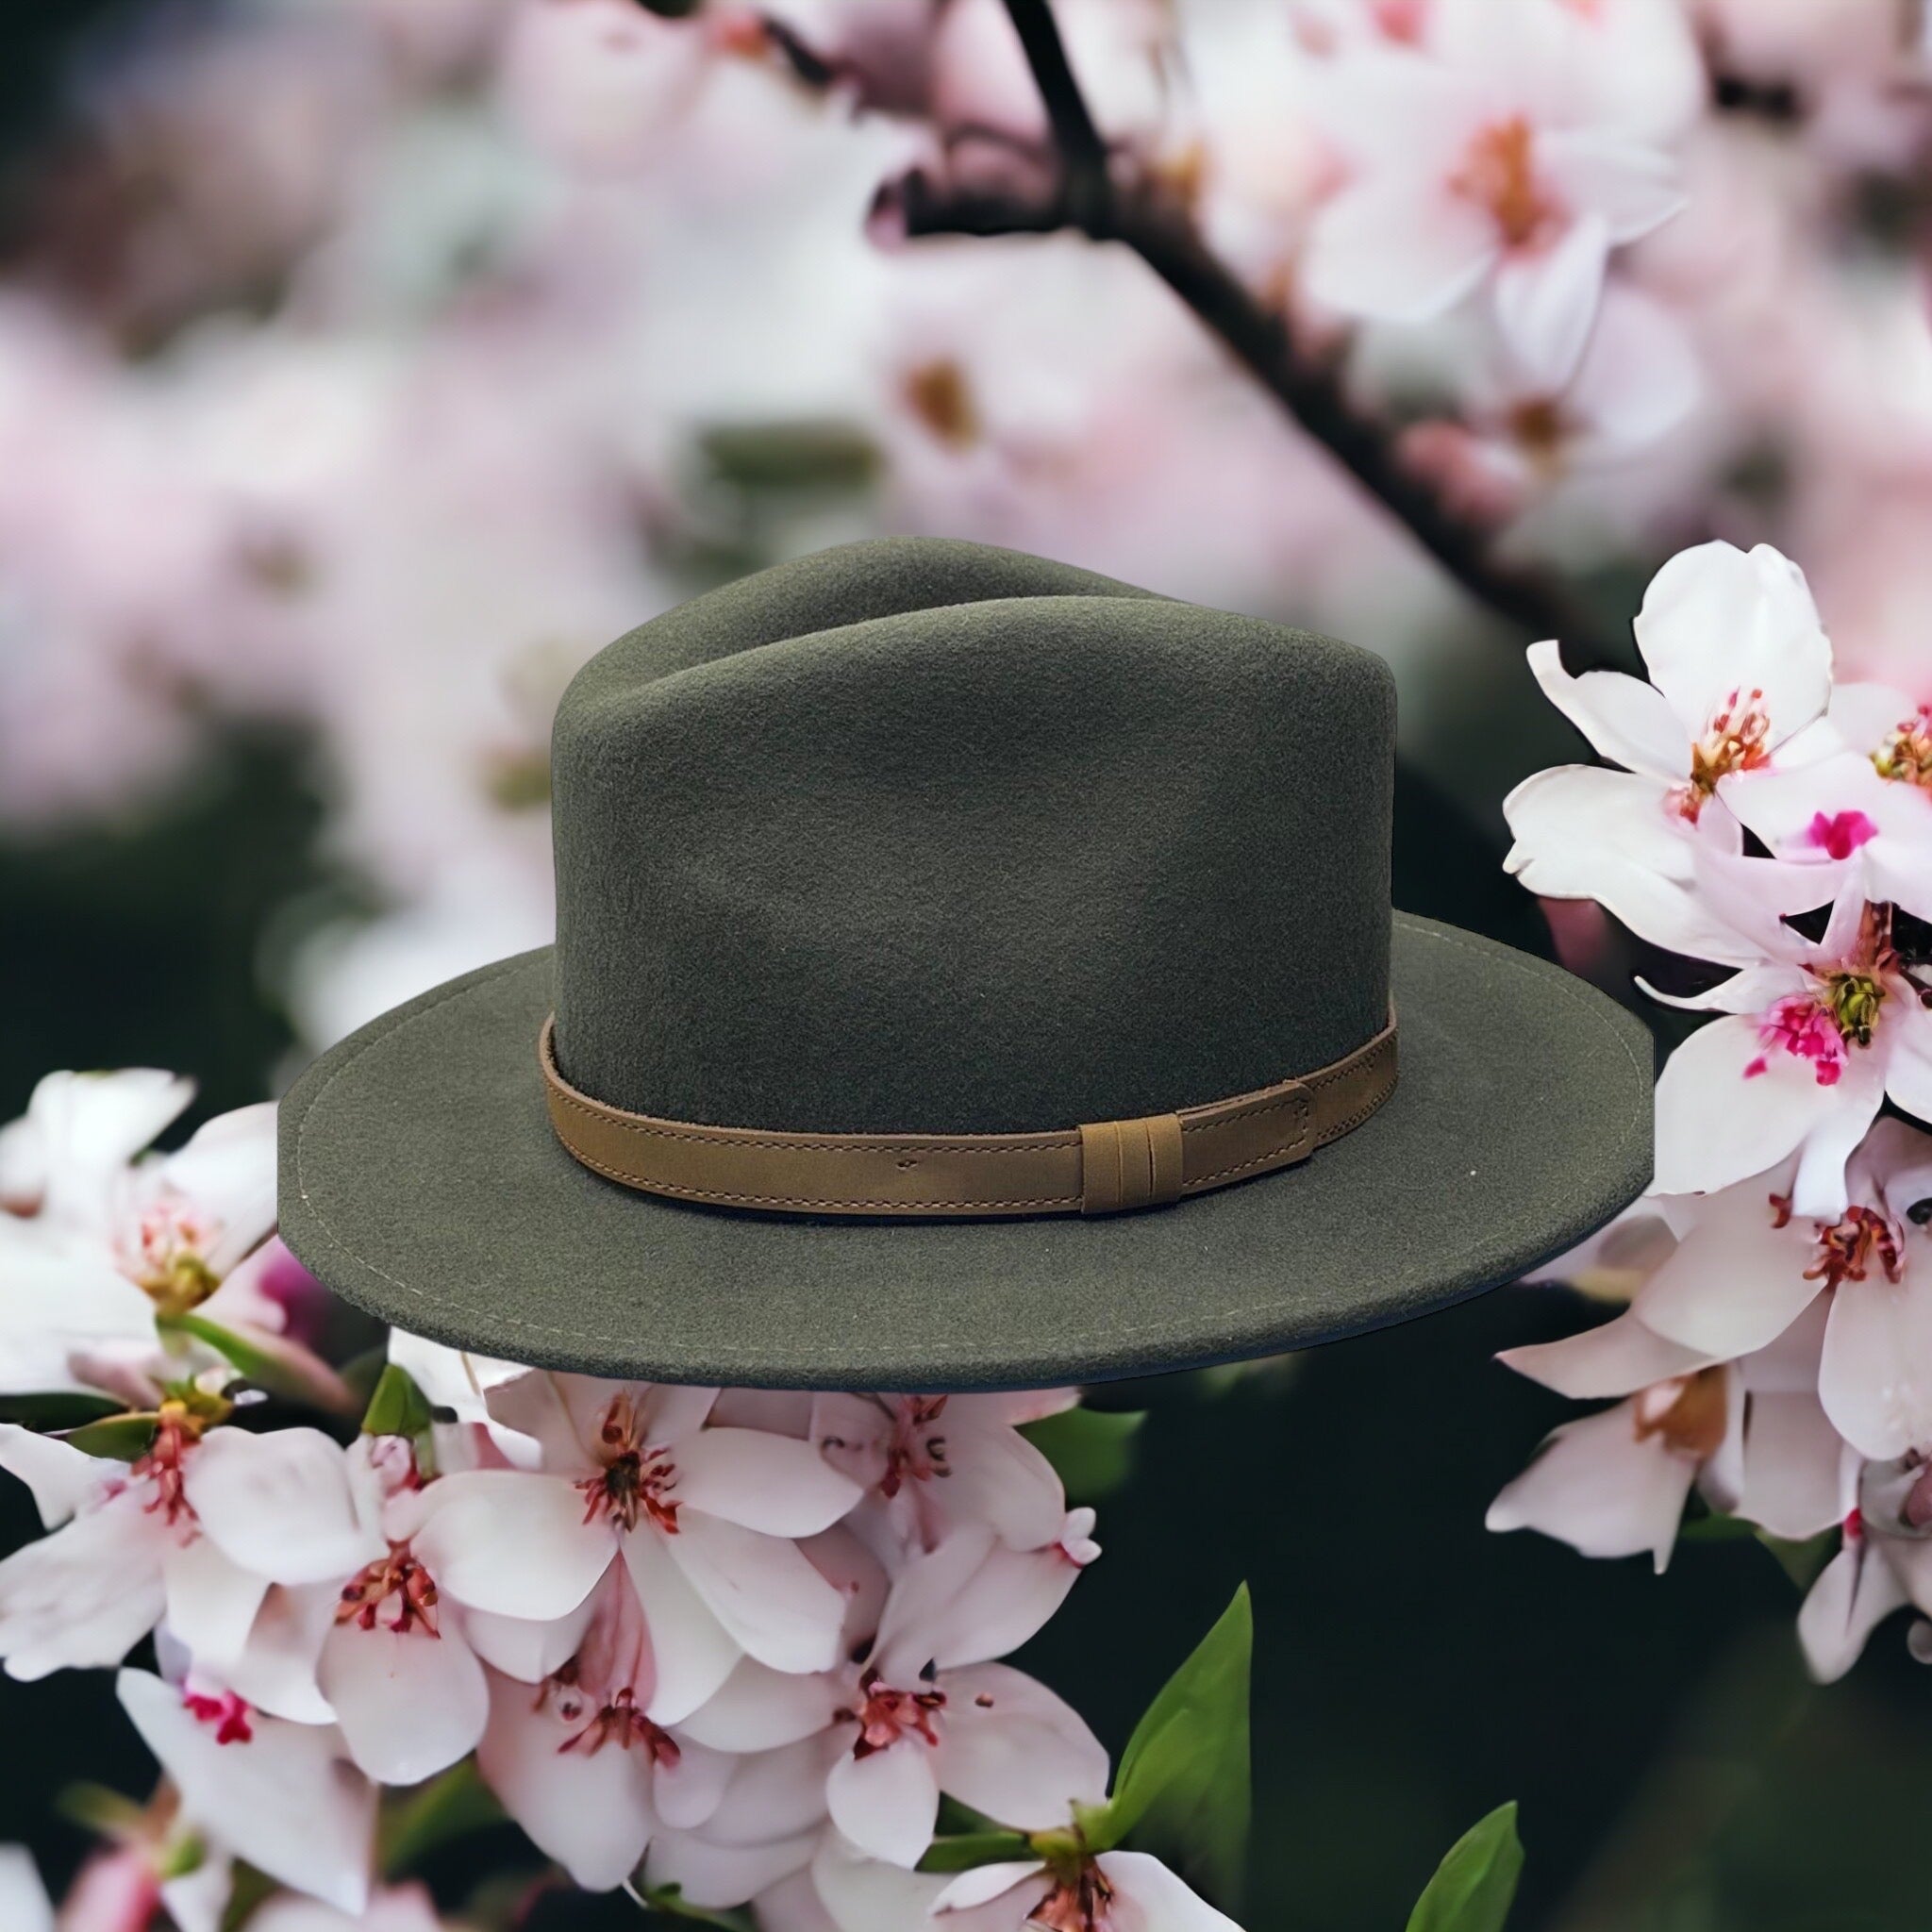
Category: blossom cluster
[412,352]
[731,1646]
[1774,823]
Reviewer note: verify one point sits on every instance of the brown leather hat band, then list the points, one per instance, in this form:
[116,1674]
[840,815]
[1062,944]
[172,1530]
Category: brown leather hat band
[1103,1169]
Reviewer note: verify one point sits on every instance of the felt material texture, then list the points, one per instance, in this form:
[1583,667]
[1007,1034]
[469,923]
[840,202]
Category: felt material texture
[920,837]
[422,1181]
[987,867]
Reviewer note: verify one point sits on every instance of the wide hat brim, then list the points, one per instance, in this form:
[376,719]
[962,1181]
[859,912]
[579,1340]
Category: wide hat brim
[422,1181]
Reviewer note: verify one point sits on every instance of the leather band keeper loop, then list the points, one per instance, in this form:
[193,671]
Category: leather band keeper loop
[1109,1168]
[1126,1164]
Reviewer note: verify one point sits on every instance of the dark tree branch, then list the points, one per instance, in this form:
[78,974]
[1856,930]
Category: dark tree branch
[1083,153]
[1091,201]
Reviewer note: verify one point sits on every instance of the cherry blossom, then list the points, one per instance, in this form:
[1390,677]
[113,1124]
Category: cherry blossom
[578,1764]
[705,1519]
[281,1795]
[1883,1564]
[1817,1035]
[928,1462]
[1493,158]
[127,1549]
[1739,686]
[1861,819]
[1117,1891]
[102,1241]
[1749,1267]
[1748,1435]
[1516,436]
[924,1711]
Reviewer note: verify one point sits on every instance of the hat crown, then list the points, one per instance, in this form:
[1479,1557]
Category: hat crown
[918,837]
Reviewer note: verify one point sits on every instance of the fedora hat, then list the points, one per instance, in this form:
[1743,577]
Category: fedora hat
[970,973]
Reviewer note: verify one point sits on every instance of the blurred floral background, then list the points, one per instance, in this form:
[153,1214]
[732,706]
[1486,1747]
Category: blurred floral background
[367,364]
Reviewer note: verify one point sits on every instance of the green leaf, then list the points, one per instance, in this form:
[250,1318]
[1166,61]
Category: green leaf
[447,1807]
[120,1438]
[1183,1787]
[1093,1449]
[398,1408]
[1801,1561]
[1715,1529]
[668,1901]
[282,1367]
[1474,1885]
[976,1848]
[248,1891]
[106,1813]
[58,1409]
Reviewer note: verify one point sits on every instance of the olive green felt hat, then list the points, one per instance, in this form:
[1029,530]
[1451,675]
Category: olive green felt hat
[969,972]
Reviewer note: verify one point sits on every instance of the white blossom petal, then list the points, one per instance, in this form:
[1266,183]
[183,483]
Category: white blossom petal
[60,1476]
[1149,1898]
[1395,251]
[1600,1487]
[1718,1123]
[1719,625]
[284,1799]
[410,1704]
[1875,1375]
[1011,1749]
[279,1503]
[762,1589]
[1855,1592]
[868,1894]
[718,1877]
[590,1810]
[886,1803]
[1000,1477]
[23,1902]
[511,1542]
[228,1169]
[211,1602]
[1630,187]
[1546,302]
[686,1793]
[83,1596]
[525,1650]
[693,1651]
[774,1484]
[1630,722]
[1586,833]
[1736,1282]
[760,1709]
[1791,1482]
[1616,1357]
[84,1130]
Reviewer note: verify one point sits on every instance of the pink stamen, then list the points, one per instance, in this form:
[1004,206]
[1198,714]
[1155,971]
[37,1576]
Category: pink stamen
[1840,836]
[636,1479]
[162,1466]
[1737,739]
[885,1715]
[1077,1902]
[1801,1028]
[228,1713]
[916,1450]
[1498,174]
[621,1723]
[397,1576]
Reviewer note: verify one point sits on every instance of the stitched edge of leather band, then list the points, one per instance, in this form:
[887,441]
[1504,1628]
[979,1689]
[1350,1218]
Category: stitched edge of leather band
[1106,1168]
